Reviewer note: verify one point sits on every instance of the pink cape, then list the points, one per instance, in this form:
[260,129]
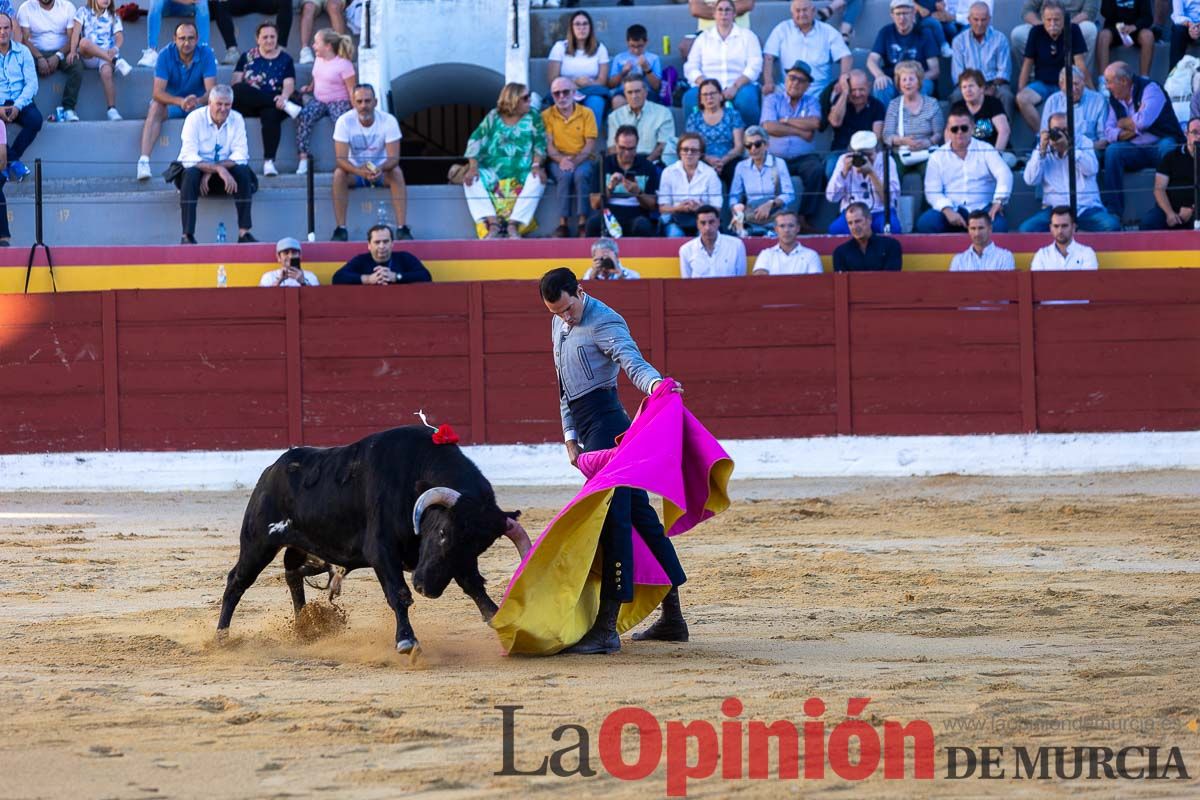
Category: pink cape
[552,598]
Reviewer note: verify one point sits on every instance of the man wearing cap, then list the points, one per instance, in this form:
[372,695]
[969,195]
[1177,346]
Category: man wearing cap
[380,266]
[803,38]
[903,40]
[858,178]
[287,252]
[792,118]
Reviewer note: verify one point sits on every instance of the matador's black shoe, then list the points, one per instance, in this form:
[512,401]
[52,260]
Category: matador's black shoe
[670,626]
[602,638]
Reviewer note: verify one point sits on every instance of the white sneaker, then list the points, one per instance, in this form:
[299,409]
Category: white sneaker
[947,52]
[231,56]
[143,168]
[306,55]
[302,167]
[149,58]
[115,115]
[269,168]
[122,66]
[69,115]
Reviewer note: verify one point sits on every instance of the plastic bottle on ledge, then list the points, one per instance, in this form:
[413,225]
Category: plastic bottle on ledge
[612,225]
[739,224]
[222,236]
[381,213]
[222,277]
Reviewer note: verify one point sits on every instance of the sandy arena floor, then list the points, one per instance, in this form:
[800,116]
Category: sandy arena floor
[1004,612]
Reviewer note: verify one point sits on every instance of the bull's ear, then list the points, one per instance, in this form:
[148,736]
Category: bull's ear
[513,514]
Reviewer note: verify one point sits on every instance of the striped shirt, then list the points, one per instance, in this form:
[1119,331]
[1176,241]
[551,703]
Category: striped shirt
[927,124]
[1090,112]
[992,56]
[993,257]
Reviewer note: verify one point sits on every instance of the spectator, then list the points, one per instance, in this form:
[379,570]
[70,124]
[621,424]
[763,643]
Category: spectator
[987,113]
[226,10]
[263,80]
[381,265]
[1048,169]
[654,122]
[712,254]
[184,74]
[964,175]
[732,57]
[1083,13]
[962,11]
[5,234]
[983,255]
[214,154]
[570,139]
[197,9]
[1185,27]
[865,252]
[1141,128]
[686,186]
[1044,60]
[802,38]
[1090,108]
[914,123]
[858,178]
[583,61]
[504,179]
[18,87]
[705,13]
[788,257]
[1126,19]
[721,127]
[848,107]
[1175,186]
[96,39]
[851,9]
[635,63]
[290,273]
[606,266]
[366,142]
[792,118]
[762,186]
[630,189]
[46,30]
[898,43]
[334,9]
[933,16]
[1064,252]
[333,80]
[985,49]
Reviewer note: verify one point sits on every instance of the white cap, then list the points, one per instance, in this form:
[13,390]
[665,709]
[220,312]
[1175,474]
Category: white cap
[902,4]
[864,140]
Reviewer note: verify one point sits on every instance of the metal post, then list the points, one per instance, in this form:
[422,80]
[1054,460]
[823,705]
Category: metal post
[1195,188]
[37,228]
[366,37]
[887,189]
[516,37]
[1070,102]
[310,201]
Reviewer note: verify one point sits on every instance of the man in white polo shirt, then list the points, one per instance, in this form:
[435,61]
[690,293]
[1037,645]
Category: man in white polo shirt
[1064,252]
[983,255]
[712,254]
[789,257]
[367,145]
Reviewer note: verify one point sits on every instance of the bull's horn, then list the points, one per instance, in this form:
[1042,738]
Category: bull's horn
[520,538]
[437,496]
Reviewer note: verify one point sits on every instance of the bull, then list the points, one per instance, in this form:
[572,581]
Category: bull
[394,501]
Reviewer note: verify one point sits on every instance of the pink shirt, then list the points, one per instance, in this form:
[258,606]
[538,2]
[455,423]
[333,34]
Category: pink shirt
[329,78]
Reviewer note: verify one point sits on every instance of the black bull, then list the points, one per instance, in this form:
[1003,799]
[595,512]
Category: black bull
[393,501]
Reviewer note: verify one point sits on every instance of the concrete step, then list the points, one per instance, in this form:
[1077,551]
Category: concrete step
[65,151]
[136,33]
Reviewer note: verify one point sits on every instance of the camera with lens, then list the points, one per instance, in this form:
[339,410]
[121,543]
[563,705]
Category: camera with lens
[858,160]
[606,265]
[1056,134]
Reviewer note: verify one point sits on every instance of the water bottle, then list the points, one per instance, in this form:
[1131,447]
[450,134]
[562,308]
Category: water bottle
[58,113]
[222,237]
[739,224]
[222,277]
[666,45]
[381,213]
[612,225]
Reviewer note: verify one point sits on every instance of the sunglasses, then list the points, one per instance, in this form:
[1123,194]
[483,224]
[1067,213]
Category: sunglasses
[960,128]
[689,150]
[527,97]
[562,92]
[754,145]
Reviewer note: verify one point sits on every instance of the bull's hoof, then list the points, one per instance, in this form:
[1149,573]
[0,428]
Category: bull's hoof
[222,635]
[407,646]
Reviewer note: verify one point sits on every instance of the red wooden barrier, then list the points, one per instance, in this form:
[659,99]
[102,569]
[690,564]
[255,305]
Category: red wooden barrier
[922,353]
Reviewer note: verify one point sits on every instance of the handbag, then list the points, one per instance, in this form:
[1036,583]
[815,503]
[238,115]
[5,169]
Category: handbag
[173,173]
[907,157]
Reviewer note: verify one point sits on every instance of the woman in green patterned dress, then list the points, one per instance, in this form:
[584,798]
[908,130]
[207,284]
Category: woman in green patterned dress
[504,178]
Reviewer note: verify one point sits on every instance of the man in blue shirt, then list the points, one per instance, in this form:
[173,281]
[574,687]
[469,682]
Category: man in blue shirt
[902,41]
[864,252]
[792,118]
[18,86]
[382,266]
[183,77]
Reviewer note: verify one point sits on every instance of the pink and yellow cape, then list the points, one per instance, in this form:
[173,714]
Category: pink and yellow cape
[553,597]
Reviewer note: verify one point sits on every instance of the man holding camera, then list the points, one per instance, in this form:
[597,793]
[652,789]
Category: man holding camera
[287,252]
[630,191]
[1049,168]
[858,177]
[606,263]
[964,175]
